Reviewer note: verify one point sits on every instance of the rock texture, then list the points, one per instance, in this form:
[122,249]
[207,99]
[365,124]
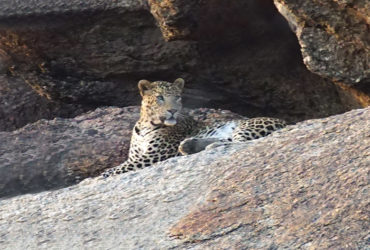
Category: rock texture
[58,153]
[5,62]
[302,187]
[20,105]
[11,8]
[240,56]
[334,38]
[90,51]
[50,154]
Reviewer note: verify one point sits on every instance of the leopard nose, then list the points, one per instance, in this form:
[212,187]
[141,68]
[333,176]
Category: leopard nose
[172,111]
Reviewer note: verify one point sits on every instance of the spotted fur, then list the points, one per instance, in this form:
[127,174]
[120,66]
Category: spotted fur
[163,131]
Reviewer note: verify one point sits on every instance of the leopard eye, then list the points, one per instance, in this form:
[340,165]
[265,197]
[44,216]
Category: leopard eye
[160,99]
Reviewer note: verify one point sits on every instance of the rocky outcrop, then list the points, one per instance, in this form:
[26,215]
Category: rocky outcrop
[334,39]
[242,57]
[61,152]
[302,187]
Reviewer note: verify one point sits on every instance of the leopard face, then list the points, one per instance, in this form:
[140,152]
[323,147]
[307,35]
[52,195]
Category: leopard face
[161,101]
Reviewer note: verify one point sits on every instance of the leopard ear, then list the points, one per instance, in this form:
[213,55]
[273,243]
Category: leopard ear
[144,85]
[180,83]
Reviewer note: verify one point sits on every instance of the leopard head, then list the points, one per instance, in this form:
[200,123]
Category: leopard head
[161,101]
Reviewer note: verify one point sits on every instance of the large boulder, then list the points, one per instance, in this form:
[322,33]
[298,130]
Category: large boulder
[334,39]
[301,187]
[56,153]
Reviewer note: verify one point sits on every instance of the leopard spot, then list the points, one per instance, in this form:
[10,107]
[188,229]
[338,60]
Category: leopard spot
[270,127]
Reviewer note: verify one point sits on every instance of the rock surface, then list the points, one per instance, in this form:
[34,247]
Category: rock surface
[5,62]
[20,105]
[93,53]
[302,187]
[334,37]
[11,8]
[51,154]
[57,153]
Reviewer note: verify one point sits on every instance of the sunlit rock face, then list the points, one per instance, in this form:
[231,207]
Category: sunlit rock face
[334,39]
[240,56]
[303,187]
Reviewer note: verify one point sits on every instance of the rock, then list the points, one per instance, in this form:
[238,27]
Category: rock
[20,105]
[177,19]
[93,53]
[89,54]
[334,37]
[50,154]
[5,62]
[302,187]
[60,152]
[21,9]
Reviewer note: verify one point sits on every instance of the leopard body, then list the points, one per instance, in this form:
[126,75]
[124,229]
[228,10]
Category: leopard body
[163,131]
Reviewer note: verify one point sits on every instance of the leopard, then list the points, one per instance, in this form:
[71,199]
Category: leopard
[164,130]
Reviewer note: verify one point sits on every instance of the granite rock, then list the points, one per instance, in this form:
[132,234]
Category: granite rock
[56,153]
[334,37]
[305,186]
